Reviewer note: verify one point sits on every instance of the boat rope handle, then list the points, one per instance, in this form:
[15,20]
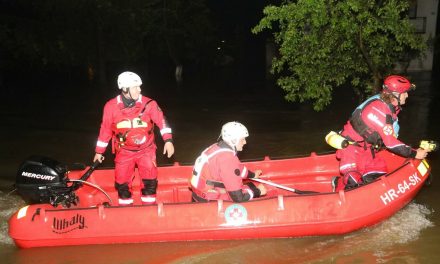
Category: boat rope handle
[37,212]
[95,186]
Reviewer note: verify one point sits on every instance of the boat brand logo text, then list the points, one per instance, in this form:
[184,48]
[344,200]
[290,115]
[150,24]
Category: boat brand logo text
[37,176]
[65,225]
[402,187]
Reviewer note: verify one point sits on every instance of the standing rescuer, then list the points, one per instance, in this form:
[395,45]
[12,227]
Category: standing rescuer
[129,120]
[372,126]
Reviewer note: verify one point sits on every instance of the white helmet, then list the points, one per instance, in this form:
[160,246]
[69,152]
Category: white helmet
[232,132]
[128,79]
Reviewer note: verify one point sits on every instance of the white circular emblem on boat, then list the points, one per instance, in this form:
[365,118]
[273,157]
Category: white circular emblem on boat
[236,214]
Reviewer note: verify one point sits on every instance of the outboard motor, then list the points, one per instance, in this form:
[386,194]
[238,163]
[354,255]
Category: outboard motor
[44,180]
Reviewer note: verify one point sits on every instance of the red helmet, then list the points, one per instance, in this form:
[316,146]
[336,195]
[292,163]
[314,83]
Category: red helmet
[398,84]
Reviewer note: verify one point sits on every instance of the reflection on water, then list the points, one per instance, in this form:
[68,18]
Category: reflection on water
[276,130]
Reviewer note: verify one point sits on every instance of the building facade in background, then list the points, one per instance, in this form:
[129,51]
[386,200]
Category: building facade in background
[423,15]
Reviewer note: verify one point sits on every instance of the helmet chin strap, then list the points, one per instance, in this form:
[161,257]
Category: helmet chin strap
[128,102]
[232,145]
[235,146]
[398,100]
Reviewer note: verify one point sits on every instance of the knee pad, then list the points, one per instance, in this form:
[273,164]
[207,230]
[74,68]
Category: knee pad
[255,190]
[370,177]
[123,190]
[150,187]
[352,179]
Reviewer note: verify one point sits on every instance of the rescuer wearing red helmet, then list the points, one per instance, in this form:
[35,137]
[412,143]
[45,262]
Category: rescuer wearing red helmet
[218,173]
[128,120]
[372,126]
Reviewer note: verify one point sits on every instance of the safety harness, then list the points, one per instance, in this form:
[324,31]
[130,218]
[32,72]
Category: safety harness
[121,137]
[369,135]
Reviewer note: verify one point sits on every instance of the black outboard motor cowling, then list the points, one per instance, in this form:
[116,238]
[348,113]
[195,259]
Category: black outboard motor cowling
[44,180]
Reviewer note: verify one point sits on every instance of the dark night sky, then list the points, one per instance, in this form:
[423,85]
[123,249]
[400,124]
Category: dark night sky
[232,20]
[229,13]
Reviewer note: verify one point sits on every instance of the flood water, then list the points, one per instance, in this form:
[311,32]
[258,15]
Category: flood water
[66,130]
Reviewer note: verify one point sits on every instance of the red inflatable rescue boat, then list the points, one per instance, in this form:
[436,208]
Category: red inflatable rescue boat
[73,211]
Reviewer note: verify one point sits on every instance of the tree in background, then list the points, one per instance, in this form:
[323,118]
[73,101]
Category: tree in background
[331,43]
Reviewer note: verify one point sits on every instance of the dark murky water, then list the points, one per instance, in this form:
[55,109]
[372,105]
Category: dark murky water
[67,130]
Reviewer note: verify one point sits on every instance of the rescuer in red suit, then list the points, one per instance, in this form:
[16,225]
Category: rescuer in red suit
[218,174]
[372,126]
[128,120]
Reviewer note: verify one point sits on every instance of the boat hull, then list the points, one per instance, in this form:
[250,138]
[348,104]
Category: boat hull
[175,218]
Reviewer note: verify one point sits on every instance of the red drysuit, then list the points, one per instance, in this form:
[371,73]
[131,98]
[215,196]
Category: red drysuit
[218,175]
[376,124]
[131,131]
